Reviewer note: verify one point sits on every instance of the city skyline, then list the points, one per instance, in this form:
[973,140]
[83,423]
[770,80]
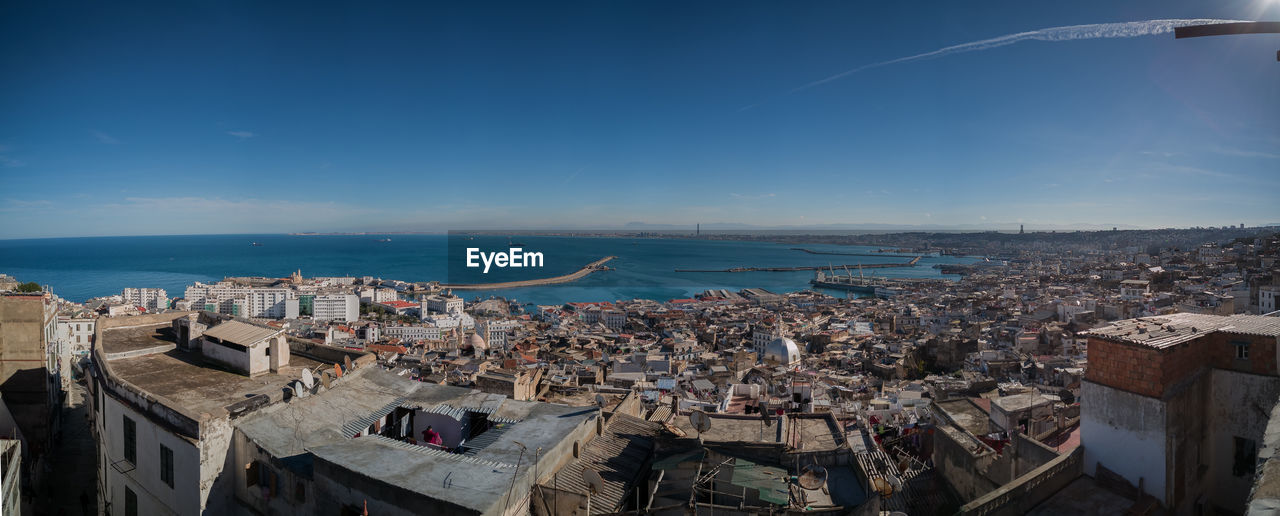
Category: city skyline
[239,118]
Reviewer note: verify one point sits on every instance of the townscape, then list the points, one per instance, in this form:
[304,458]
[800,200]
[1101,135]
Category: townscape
[1057,376]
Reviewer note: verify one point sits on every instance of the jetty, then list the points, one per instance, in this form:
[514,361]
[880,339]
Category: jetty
[892,255]
[589,268]
[911,263]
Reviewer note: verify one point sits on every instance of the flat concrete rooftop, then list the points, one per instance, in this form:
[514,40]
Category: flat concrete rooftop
[320,424]
[147,357]
[967,416]
[734,428]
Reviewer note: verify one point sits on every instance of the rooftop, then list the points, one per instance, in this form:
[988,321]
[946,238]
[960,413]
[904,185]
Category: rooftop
[322,424]
[240,333]
[967,415]
[147,357]
[1169,330]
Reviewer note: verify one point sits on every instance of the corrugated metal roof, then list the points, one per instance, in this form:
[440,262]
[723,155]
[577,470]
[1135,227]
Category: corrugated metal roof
[1168,330]
[358,425]
[240,333]
[620,456]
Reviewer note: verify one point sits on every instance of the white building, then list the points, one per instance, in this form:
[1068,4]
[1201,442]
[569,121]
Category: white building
[448,322]
[1267,298]
[413,332]
[153,299]
[494,332]
[336,307]
[77,333]
[763,335]
[268,302]
[441,304]
[1134,289]
[615,320]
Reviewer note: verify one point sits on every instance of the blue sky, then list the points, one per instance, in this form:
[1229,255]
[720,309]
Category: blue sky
[232,117]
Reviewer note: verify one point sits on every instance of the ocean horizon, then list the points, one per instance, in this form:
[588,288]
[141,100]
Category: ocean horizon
[81,268]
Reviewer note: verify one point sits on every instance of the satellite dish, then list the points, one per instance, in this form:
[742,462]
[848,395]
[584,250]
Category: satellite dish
[781,390]
[812,477]
[346,363]
[882,486]
[325,380]
[700,420]
[595,484]
[307,380]
[299,390]
[600,401]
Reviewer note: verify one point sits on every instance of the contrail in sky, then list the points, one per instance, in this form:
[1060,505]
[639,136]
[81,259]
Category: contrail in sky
[1070,32]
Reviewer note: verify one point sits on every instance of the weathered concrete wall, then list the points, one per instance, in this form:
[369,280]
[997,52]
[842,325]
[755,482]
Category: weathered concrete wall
[1124,431]
[217,494]
[630,405]
[286,500]
[1019,457]
[1238,407]
[1027,491]
[1264,498]
[337,488]
[233,359]
[962,461]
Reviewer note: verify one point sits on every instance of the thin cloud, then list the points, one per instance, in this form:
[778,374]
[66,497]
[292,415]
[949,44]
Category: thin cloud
[8,162]
[12,205]
[104,137]
[243,135]
[1241,153]
[1067,33]
[752,197]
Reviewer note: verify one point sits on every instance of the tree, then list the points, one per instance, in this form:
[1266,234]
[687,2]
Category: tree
[29,286]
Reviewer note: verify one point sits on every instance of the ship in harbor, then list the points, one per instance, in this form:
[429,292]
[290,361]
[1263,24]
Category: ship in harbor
[860,284]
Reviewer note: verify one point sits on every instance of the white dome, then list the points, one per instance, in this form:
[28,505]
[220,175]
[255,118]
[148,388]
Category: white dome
[782,351]
[477,342]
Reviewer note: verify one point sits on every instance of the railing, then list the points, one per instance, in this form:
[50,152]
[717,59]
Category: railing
[1028,490]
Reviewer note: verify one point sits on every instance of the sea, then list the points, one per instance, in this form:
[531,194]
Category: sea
[78,269]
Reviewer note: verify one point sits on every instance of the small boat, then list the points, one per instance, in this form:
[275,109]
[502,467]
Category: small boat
[256,244]
[384,239]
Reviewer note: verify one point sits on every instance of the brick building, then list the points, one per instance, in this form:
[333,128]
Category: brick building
[1177,405]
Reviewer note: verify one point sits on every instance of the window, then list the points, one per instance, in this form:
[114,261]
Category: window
[166,465]
[1242,350]
[1246,456]
[251,474]
[130,440]
[300,493]
[130,502]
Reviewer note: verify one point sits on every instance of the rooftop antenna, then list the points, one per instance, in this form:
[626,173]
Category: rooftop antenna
[595,484]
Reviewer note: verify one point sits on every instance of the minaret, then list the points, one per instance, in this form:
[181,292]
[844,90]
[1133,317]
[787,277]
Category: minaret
[1022,229]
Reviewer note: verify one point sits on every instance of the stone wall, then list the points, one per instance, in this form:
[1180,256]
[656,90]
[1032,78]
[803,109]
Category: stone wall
[1027,491]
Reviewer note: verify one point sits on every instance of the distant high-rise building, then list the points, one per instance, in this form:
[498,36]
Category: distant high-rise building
[1022,229]
[337,307]
[152,299]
